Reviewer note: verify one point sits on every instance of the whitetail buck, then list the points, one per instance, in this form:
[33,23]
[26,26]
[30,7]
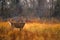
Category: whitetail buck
[18,25]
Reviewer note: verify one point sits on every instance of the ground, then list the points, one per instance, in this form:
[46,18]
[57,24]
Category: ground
[31,31]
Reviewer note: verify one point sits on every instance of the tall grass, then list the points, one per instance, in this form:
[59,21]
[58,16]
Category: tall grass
[46,34]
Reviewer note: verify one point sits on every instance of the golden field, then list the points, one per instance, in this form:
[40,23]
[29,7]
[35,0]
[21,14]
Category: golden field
[31,31]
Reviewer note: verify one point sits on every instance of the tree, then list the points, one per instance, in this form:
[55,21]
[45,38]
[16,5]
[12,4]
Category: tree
[10,9]
[57,10]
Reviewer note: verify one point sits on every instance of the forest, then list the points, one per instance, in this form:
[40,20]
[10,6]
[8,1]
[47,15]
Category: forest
[29,8]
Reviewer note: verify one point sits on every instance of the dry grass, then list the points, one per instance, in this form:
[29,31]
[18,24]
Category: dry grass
[31,31]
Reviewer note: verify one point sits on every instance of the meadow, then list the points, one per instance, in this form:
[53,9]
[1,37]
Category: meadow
[31,31]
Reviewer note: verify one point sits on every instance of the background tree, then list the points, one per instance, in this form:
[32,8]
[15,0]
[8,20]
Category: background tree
[57,10]
[10,8]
